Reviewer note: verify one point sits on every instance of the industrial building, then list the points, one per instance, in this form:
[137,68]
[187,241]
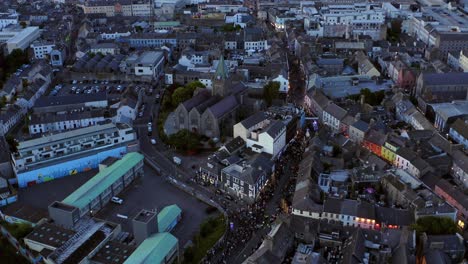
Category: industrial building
[97,192]
[19,39]
[68,153]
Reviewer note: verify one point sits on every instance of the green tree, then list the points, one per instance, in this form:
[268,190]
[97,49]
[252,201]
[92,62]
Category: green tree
[184,140]
[394,31]
[271,92]
[433,225]
[336,150]
[12,143]
[3,101]
[138,29]
[184,93]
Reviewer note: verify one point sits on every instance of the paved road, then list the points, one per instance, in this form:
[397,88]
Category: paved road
[154,192]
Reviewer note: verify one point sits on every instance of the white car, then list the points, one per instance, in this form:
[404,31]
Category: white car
[116,200]
[153,141]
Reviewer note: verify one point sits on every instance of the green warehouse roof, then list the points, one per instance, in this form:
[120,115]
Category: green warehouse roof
[103,180]
[153,250]
[167,216]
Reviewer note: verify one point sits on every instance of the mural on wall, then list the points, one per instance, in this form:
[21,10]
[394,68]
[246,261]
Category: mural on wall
[29,178]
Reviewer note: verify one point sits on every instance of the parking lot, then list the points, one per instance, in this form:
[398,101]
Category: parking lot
[41,195]
[152,192]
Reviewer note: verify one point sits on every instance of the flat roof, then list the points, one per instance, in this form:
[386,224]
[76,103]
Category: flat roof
[64,135]
[113,252]
[154,249]
[22,34]
[144,216]
[50,234]
[103,180]
[167,216]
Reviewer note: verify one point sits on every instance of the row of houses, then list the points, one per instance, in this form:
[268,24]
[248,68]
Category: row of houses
[21,91]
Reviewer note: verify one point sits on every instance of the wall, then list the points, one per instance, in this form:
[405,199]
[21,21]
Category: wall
[67,168]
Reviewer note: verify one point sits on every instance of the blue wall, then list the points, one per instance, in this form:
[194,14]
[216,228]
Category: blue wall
[67,168]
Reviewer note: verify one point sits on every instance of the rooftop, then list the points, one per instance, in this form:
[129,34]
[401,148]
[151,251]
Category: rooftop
[153,249]
[113,252]
[103,180]
[50,234]
[167,216]
[64,135]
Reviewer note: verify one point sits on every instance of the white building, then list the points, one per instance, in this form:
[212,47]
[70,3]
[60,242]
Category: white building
[69,144]
[7,19]
[42,50]
[283,80]
[105,48]
[459,132]
[20,39]
[460,168]
[262,134]
[332,116]
[44,123]
[349,21]
[150,63]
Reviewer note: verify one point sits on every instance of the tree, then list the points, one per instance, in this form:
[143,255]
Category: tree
[3,101]
[138,29]
[433,225]
[394,32]
[271,92]
[23,24]
[184,93]
[12,143]
[336,150]
[184,140]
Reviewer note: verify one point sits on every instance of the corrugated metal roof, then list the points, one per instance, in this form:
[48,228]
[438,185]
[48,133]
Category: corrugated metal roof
[167,216]
[103,180]
[153,249]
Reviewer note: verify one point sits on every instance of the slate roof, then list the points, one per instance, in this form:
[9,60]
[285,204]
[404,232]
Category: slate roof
[275,128]
[361,125]
[349,207]
[406,153]
[449,78]
[196,100]
[234,144]
[224,106]
[259,165]
[354,248]
[376,137]
[460,127]
[460,159]
[454,192]
[321,99]
[46,101]
[394,216]
[253,119]
[335,111]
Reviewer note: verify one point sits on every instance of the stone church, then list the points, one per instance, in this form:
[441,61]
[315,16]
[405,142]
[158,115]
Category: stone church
[212,113]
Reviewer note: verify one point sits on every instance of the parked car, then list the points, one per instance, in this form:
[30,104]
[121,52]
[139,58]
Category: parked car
[116,200]
[153,141]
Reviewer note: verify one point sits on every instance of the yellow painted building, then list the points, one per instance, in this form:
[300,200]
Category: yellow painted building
[389,152]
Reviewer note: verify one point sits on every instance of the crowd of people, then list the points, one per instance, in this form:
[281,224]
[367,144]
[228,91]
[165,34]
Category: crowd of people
[244,222]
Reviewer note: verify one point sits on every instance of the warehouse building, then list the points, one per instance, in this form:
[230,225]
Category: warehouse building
[97,192]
